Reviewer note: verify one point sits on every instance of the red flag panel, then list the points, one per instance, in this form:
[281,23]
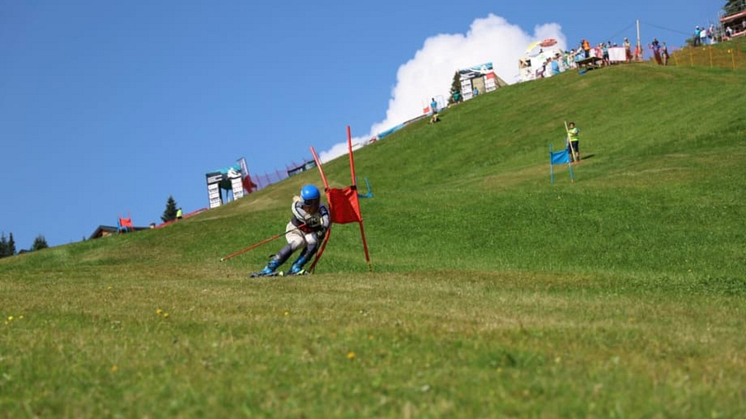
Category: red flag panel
[344,205]
[248,184]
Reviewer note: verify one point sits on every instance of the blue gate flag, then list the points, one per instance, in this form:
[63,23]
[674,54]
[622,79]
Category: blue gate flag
[560,157]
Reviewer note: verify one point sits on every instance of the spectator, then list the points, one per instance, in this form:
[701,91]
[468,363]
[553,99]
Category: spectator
[579,56]
[703,36]
[586,48]
[655,46]
[555,66]
[567,60]
[605,53]
[598,51]
[627,50]
[696,36]
[178,214]
[476,92]
[664,54]
[434,109]
[638,53]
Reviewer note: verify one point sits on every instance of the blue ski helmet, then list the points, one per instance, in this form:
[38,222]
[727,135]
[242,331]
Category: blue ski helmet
[310,194]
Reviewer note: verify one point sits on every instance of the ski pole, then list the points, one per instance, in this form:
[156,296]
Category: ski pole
[275,237]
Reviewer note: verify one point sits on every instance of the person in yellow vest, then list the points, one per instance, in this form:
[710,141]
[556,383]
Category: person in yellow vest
[573,140]
[178,214]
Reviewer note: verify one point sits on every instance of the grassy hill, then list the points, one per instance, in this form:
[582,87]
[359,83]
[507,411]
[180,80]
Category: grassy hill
[493,293]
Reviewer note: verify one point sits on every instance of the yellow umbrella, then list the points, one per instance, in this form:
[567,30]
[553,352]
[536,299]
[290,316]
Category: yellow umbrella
[532,47]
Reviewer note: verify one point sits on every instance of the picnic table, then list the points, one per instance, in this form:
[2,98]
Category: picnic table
[589,63]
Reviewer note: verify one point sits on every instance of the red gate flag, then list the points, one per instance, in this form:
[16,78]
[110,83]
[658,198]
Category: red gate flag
[344,205]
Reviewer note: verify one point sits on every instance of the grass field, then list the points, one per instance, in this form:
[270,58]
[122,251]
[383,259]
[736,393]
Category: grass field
[493,293]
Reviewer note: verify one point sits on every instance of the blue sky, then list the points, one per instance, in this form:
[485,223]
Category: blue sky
[109,108]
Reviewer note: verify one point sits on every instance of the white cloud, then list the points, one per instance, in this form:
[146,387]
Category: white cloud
[337,150]
[430,73]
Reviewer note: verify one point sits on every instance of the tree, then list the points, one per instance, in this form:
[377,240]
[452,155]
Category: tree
[11,246]
[39,243]
[734,6]
[3,245]
[170,213]
[7,246]
[455,88]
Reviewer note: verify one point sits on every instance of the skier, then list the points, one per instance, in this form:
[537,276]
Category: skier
[306,229]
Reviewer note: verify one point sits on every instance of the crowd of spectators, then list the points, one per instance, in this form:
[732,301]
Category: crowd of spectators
[606,53]
[714,34]
[704,36]
[602,54]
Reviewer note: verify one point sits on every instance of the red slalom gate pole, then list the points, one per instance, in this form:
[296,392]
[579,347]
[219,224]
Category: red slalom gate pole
[354,187]
[242,251]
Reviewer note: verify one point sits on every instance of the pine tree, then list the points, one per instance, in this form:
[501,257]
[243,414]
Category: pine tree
[734,6]
[11,246]
[455,88]
[3,245]
[170,213]
[39,243]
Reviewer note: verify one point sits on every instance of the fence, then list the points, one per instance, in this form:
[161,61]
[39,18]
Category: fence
[262,181]
[723,55]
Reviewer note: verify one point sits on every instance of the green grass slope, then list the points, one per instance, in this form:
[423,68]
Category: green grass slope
[494,293]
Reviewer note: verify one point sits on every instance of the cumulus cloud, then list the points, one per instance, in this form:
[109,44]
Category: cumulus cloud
[430,72]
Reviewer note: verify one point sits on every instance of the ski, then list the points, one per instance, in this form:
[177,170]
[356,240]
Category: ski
[301,272]
[278,273]
[260,275]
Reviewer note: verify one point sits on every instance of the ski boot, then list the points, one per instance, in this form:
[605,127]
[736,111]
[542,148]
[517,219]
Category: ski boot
[297,268]
[268,270]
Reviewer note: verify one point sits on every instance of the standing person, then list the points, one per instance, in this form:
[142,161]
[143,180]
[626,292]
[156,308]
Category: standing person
[573,139]
[307,227]
[586,48]
[605,53]
[555,66]
[696,36]
[434,109]
[703,36]
[627,50]
[664,54]
[179,214]
[539,72]
[655,46]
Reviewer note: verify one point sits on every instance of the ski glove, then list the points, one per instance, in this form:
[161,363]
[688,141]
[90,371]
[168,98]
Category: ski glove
[313,221]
